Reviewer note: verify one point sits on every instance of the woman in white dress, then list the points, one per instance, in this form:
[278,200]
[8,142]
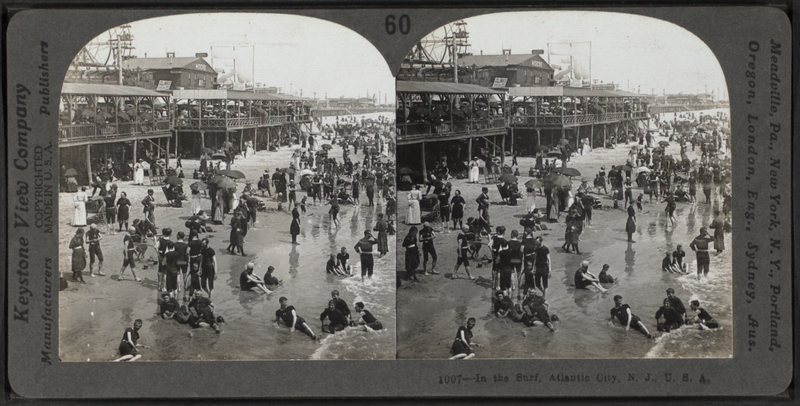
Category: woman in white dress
[249,150]
[79,218]
[138,173]
[414,215]
[570,199]
[195,202]
[530,200]
[474,170]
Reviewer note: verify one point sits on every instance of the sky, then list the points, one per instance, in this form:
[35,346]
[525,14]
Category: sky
[642,51]
[291,52]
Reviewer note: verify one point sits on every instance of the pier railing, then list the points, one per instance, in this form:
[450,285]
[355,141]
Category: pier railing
[83,132]
[196,123]
[574,119]
[454,129]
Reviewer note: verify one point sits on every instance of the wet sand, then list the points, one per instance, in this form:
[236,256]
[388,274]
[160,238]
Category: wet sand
[94,316]
[430,311]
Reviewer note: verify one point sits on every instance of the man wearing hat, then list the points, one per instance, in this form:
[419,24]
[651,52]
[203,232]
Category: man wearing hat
[249,281]
[700,246]
[426,236]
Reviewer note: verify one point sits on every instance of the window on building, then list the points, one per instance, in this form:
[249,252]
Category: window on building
[537,80]
[201,83]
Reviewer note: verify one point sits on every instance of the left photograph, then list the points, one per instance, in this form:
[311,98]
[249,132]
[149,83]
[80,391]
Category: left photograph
[227,192]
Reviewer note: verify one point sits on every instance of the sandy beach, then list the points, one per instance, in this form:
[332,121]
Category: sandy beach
[430,311]
[92,317]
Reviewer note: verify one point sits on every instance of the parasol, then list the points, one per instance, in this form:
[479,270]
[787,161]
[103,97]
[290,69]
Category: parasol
[544,148]
[88,113]
[232,174]
[508,178]
[218,155]
[567,171]
[405,171]
[658,150]
[307,172]
[326,146]
[626,167]
[406,178]
[71,172]
[642,169]
[198,186]
[555,153]
[533,183]
[173,181]
[290,170]
[557,180]
[208,150]
[227,144]
[225,183]
[663,144]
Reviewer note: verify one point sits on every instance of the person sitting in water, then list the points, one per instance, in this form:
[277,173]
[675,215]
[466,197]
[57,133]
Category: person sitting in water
[168,306]
[289,316]
[337,320]
[667,264]
[332,268]
[676,303]
[604,277]
[584,278]
[462,346]
[127,347]
[536,312]
[672,319]
[341,305]
[677,258]
[703,319]
[250,281]
[367,320]
[622,312]
[203,311]
[270,280]
[341,260]
[502,304]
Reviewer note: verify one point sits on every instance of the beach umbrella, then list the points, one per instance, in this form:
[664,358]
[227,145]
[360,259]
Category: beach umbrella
[307,172]
[232,174]
[198,186]
[567,171]
[173,181]
[226,183]
[533,183]
[663,144]
[508,178]
[71,172]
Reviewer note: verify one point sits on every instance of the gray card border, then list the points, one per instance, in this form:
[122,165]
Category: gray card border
[757,372]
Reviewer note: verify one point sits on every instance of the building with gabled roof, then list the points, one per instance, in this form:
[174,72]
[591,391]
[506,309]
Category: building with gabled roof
[171,73]
[508,70]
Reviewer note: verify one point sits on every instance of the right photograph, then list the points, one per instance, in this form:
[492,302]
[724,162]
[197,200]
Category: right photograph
[564,191]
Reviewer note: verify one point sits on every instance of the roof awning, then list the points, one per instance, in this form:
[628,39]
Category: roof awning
[226,94]
[567,91]
[86,89]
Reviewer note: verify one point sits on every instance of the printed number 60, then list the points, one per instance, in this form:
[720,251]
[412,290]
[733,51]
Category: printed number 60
[403,23]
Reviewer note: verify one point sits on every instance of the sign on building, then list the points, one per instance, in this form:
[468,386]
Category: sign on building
[500,82]
[163,85]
